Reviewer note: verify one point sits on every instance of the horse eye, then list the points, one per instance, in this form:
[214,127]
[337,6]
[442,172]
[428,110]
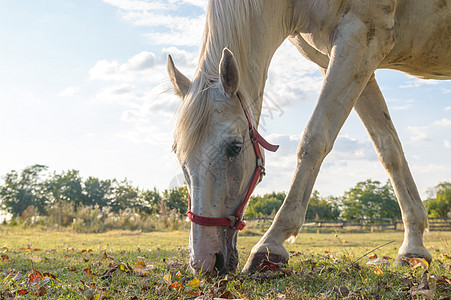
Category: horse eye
[233,149]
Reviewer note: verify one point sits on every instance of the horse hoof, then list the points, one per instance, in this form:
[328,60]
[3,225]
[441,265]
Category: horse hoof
[255,261]
[403,260]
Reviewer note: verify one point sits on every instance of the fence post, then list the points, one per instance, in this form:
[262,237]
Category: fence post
[394,223]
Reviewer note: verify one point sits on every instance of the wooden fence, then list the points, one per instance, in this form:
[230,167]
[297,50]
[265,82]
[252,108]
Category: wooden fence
[435,224]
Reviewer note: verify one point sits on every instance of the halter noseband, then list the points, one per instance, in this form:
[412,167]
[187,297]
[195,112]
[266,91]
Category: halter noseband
[236,220]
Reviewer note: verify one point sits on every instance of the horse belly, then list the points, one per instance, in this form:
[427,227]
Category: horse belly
[422,39]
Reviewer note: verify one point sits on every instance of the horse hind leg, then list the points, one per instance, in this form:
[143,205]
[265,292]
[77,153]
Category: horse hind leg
[373,112]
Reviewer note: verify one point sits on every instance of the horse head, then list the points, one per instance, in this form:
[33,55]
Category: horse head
[215,150]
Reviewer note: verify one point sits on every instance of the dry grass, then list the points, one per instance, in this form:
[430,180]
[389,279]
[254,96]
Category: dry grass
[321,267]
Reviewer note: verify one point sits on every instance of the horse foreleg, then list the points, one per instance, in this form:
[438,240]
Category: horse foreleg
[350,68]
[373,112]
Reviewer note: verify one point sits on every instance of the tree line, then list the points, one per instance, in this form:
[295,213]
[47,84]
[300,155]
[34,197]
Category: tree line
[34,187]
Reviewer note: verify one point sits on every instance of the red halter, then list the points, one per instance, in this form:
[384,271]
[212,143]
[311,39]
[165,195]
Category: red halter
[236,220]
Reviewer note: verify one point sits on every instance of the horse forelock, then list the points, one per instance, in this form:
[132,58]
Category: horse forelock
[225,27]
[193,120]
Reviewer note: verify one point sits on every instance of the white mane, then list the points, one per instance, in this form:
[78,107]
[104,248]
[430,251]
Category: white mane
[225,27]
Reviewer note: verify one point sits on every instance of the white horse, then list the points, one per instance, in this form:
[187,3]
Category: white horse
[348,40]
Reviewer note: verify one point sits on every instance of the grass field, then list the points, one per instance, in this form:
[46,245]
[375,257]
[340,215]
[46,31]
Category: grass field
[134,265]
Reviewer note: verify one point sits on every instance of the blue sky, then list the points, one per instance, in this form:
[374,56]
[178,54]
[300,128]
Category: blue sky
[83,85]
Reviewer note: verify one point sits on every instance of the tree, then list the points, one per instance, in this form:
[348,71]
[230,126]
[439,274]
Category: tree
[264,206]
[124,195]
[97,192]
[151,200]
[176,198]
[370,200]
[23,190]
[320,208]
[439,204]
[66,187]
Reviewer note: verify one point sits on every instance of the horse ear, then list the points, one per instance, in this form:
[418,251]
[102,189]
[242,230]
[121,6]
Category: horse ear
[229,73]
[179,81]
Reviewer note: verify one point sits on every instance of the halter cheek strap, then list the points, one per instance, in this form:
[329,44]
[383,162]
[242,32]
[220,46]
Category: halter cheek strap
[236,221]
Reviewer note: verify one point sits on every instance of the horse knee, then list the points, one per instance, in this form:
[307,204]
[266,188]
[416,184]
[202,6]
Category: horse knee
[313,148]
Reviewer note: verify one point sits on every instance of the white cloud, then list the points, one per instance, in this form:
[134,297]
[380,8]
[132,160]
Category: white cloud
[155,4]
[175,29]
[402,107]
[147,134]
[443,123]
[447,108]
[144,66]
[447,144]
[200,3]
[430,168]
[415,82]
[418,133]
[139,5]
[128,71]
[345,149]
[291,77]
[122,94]
[69,91]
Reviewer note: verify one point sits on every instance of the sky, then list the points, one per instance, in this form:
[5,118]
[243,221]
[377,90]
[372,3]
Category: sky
[83,85]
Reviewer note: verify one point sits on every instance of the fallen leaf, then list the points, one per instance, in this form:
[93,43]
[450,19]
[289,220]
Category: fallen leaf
[142,269]
[106,256]
[89,272]
[35,277]
[295,253]
[197,293]
[267,265]
[176,286]
[49,275]
[178,275]
[378,271]
[103,295]
[419,263]
[21,292]
[193,283]
[372,256]
[124,267]
[167,278]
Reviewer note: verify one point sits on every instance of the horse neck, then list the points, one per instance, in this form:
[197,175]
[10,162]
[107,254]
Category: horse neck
[253,45]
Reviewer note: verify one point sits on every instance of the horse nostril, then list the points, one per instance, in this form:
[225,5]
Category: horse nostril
[219,264]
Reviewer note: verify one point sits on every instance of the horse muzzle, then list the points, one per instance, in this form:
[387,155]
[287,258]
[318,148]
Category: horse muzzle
[213,249]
